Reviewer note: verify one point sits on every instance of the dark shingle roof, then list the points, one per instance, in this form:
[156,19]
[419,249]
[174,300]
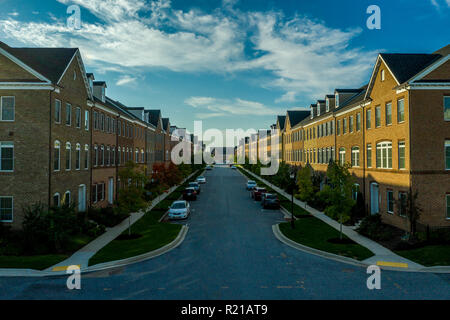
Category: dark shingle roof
[165,122]
[281,120]
[153,116]
[295,116]
[405,66]
[50,62]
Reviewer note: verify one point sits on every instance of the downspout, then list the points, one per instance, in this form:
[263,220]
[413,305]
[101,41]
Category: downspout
[118,157]
[363,118]
[91,145]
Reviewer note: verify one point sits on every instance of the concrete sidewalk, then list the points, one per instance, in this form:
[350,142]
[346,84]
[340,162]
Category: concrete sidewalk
[382,256]
[82,256]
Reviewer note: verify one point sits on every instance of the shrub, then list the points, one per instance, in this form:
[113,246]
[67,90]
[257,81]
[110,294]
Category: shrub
[372,227]
[109,216]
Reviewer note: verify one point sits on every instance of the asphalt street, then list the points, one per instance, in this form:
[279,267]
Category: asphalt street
[230,252]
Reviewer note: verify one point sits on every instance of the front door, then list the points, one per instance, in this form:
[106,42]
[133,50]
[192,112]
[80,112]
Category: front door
[374,197]
[82,198]
[111,191]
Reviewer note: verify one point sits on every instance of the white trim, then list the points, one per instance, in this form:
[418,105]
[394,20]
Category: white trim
[359,106]
[376,67]
[13,156]
[25,87]
[429,69]
[59,199]
[105,109]
[312,123]
[24,66]
[429,86]
[12,208]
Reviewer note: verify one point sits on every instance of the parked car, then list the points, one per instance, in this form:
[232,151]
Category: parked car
[195,185]
[189,194]
[179,210]
[270,200]
[257,192]
[251,184]
[233,167]
[201,179]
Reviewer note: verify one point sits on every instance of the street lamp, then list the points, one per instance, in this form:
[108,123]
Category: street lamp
[293,177]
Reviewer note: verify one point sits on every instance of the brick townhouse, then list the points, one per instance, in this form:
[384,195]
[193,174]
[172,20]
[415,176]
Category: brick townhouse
[394,131]
[45,130]
[62,139]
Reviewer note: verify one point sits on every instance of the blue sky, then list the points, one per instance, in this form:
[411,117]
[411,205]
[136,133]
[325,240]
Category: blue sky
[233,64]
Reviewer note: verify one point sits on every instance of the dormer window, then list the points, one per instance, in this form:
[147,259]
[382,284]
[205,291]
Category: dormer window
[328,105]
[318,109]
[382,75]
[337,100]
[312,113]
[103,94]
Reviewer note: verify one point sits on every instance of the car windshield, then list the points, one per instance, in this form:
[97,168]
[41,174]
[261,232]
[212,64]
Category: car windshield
[261,189]
[201,178]
[178,205]
[189,189]
[271,196]
[193,184]
[251,182]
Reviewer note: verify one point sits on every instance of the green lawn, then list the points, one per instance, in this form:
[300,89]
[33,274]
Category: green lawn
[153,234]
[430,255]
[37,262]
[314,233]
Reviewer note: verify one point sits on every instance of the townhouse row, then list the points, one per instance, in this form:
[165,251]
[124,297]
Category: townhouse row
[62,139]
[394,131]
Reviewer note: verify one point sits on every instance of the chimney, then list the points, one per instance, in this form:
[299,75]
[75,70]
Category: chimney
[91,78]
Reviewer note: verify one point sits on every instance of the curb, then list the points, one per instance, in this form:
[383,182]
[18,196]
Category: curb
[280,236]
[101,266]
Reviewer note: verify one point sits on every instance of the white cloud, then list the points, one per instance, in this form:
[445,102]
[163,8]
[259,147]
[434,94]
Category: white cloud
[124,80]
[13,14]
[304,56]
[222,107]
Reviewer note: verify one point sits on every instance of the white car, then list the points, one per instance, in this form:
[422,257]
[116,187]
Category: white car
[251,184]
[179,210]
[201,179]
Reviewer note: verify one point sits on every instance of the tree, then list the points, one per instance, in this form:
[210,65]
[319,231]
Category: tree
[338,192]
[305,184]
[131,194]
[409,205]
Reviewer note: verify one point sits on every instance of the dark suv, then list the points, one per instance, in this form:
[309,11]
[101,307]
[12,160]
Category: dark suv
[257,192]
[195,185]
[189,194]
[270,201]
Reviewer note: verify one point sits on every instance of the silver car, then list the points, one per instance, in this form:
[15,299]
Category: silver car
[179,210]
[201,179]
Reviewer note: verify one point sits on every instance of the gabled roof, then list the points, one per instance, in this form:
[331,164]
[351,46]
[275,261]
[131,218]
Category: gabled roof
[355,99]
[153,116]
[165,122]
[281,120]
[406,65]
[295,116]
[49,62]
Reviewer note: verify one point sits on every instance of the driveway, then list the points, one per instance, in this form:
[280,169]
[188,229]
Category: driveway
[230,252]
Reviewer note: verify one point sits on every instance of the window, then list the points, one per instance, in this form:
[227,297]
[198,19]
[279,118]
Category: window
[388,113]
[7,107]
[102,122]
[384,155]
[78,157]
[402,203]
[113,157]
[6,209]
[95,120]
[108,156]
[447,197]
[358,121]
[401,155]
[355,157]
[344,126]
[86,120]
[68,114]
[57,111]
[377,116]
[369,155]
[447,108]
[119,127]
[68,156]
[118,156]
[56,200]
[400,110]
[143,155]
[390,201]
[447,154]
[56,156]
[86,157]
[6,156]
[95,156]
[78,117]
[102,155]
[94,193]
[66,199]
[382,75]
[338,127]
[342,156]
[350,124]
[368,118]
